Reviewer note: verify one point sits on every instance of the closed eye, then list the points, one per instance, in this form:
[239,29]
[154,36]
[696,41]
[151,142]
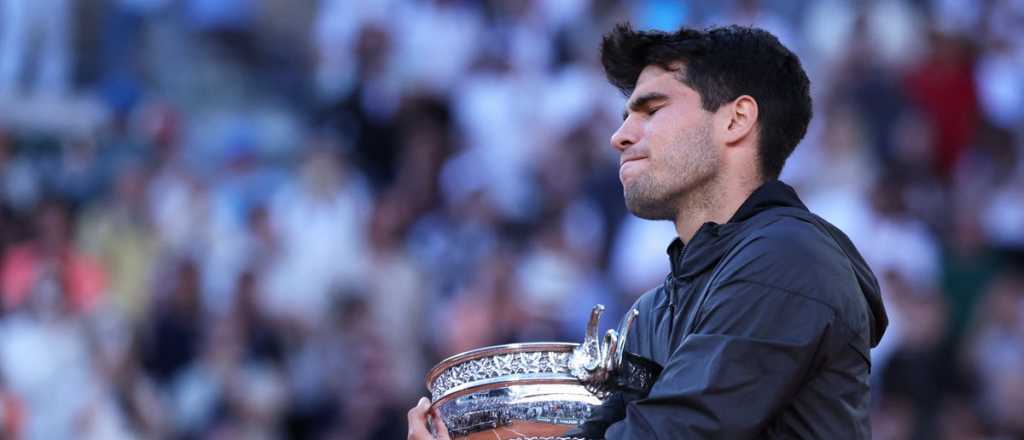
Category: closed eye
[647,103]
[649,111]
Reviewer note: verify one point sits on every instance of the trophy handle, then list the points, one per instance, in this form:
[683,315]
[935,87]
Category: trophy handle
[591,345]
[601,365]
[597,362]
[624,327]
[610,351]
[592,326]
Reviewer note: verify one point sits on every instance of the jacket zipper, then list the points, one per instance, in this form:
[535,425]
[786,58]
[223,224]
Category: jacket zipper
[671,301]
[672,290]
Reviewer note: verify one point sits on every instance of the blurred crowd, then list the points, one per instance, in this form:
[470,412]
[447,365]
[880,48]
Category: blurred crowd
[269,218]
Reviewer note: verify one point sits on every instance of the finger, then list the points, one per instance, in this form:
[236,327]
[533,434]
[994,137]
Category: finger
[439,427]
[418,420]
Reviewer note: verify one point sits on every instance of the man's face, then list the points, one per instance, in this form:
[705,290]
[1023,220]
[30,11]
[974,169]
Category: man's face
[665,141]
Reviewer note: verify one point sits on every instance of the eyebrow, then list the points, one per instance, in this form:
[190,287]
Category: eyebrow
[643,101]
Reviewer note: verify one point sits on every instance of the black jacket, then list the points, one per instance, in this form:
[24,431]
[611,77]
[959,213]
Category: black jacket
[763,328]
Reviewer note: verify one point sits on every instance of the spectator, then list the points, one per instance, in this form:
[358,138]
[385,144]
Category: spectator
[997,351]
[174,336]
[52,255]
[117,230]
[35,34]
[320,221]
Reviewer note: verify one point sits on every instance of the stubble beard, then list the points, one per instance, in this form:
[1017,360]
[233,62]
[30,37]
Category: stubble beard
[693,161]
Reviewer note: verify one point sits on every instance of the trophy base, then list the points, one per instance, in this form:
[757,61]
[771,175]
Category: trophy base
[517,410]
[523,430]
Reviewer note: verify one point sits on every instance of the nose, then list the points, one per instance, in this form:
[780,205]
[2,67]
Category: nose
[625,136]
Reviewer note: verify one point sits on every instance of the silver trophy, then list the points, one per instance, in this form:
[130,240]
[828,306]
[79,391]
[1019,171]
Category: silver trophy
[534,390]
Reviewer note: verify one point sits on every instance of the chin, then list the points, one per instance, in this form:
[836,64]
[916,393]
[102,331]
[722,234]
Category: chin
[648,208]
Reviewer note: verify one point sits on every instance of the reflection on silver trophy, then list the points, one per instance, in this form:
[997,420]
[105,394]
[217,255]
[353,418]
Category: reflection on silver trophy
[534,390]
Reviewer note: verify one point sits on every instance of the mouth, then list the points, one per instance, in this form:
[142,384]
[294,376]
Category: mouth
[628,167]
[626,160]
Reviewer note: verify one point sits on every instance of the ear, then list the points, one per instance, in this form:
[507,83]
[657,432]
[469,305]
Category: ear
[739,119]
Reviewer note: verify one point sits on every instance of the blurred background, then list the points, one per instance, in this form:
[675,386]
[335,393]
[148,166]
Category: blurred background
[269,218]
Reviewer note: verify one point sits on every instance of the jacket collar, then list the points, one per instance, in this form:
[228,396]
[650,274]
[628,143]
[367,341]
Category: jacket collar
[712,240]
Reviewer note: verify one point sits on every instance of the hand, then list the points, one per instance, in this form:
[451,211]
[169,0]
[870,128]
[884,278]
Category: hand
[418,423]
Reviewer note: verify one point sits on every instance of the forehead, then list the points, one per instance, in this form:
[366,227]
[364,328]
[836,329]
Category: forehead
[655,78]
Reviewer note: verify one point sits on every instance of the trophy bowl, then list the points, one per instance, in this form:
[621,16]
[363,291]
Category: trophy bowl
[513,391]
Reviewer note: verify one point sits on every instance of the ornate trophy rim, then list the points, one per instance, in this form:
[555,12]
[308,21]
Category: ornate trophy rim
[491,350]
[552,371]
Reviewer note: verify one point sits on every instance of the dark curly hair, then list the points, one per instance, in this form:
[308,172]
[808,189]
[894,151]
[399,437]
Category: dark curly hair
[721,64]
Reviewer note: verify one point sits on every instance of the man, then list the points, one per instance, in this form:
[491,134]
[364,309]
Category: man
[765,324]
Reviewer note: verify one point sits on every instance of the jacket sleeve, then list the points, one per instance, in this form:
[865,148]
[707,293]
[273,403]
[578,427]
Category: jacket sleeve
[750,349]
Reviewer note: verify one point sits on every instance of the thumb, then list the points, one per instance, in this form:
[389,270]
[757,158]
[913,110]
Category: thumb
[417,420]
[440,430]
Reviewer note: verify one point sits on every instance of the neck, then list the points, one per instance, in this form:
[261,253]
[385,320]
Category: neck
[717,202]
